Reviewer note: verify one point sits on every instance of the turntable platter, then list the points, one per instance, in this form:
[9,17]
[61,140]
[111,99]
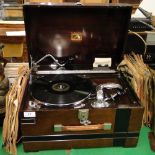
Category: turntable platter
[60,90]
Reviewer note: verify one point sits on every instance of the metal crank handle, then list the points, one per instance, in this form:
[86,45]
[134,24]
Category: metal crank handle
[51,56]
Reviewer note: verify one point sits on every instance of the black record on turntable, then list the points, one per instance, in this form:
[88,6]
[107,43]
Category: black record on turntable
[60,90]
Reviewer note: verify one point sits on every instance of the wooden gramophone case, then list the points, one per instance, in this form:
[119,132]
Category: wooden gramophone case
[84,32]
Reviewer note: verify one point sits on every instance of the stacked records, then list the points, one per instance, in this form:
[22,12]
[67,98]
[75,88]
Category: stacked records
[142,79]
[11,70]
[4,87]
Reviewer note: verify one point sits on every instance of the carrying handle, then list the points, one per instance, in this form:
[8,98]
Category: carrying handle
[104,126]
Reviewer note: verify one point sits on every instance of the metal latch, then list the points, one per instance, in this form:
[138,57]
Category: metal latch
[83,115]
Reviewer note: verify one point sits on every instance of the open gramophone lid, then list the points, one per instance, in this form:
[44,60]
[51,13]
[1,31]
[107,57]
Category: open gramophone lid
[81,30]
[60,90]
